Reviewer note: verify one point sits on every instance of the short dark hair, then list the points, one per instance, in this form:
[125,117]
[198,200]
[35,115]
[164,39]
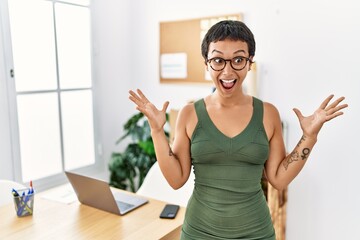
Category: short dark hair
[228,29]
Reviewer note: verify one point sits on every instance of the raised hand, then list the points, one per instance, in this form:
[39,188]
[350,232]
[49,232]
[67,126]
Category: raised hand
[156,117]
[312,124]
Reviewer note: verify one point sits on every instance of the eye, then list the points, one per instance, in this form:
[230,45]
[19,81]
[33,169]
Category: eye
[218,60]
[238,60]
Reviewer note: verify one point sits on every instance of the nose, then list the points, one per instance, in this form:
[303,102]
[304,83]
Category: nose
[227,67]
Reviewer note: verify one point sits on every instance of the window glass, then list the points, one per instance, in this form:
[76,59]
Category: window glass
[73,41]
[39,132]
[33,41]
[78,129]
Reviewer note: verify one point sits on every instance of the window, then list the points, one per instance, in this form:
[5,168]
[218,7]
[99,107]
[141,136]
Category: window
[51,90]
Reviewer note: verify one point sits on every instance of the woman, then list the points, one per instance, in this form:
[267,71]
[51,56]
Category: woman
[230,138]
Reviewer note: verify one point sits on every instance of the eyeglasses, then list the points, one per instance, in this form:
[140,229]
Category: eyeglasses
[237,63]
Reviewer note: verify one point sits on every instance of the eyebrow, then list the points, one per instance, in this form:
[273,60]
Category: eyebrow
[238,51]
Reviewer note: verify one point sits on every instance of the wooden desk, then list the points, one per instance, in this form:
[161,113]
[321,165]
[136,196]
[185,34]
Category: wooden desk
[53,220]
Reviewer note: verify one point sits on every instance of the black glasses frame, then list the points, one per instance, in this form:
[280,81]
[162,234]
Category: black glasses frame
[229,60]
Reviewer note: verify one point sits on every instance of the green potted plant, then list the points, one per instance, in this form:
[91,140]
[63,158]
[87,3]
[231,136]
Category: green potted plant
[129,168]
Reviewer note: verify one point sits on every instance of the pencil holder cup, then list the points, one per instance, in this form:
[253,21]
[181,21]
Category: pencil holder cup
[24,204]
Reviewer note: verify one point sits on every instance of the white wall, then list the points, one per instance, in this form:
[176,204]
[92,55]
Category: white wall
[5,147]
[111,34]
[305,51]
[6,169]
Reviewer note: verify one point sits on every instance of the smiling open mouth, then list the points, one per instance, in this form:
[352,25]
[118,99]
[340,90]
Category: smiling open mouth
[228,84]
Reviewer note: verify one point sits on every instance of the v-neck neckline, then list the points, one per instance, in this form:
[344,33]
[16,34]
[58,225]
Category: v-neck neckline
[217,131]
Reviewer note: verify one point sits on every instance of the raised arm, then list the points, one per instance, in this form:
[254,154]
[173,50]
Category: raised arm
[174,162]
[280,169]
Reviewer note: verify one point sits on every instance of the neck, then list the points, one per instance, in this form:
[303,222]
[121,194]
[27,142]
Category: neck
[231,101]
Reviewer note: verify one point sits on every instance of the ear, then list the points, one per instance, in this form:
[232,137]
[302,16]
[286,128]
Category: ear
[206,66]
[251,63]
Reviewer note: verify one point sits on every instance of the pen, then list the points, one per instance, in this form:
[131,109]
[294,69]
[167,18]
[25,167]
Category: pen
[24,204]
[31,187]
[31,190]
[15,193]
[23,201]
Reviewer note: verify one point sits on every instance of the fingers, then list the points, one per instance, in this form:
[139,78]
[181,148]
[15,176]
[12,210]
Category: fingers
[324,104]
[134,97]
[142,103]
[334,115]
[326,101]
[165,106]
[334,104]
[145,100]
[330,111]
[333,110]
[298,113]
[138,98]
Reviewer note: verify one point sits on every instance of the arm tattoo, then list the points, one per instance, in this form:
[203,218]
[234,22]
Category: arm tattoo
[301,140]
[294,156]
[305,153]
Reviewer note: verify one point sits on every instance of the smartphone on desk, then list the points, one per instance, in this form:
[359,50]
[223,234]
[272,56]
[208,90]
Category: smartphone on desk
[169,211]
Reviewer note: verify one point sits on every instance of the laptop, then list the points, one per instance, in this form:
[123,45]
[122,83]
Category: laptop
[97,193]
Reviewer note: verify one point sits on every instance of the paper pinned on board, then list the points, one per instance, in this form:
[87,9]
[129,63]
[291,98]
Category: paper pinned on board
[173,65]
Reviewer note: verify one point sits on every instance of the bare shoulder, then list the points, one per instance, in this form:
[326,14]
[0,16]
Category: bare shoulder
[187,119]
[188,109]
[270,110]
[272,119]
[187,113]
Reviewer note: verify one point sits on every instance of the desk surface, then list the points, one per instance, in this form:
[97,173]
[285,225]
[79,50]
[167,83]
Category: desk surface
[54,220]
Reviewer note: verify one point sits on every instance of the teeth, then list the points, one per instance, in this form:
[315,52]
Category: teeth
[228,81]
[228,84]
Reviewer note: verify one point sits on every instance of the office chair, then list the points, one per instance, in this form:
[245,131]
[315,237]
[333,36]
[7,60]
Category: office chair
[6,186]
[155,186]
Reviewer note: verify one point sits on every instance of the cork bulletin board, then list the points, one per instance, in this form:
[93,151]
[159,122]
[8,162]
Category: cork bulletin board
[180,49]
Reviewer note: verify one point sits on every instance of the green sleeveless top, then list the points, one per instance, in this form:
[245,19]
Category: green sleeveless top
[228,201]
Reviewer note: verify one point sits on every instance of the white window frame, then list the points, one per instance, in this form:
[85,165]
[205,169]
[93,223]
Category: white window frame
[15,161]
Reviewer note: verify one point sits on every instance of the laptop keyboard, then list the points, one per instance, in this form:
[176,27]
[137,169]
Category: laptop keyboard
[124,206]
